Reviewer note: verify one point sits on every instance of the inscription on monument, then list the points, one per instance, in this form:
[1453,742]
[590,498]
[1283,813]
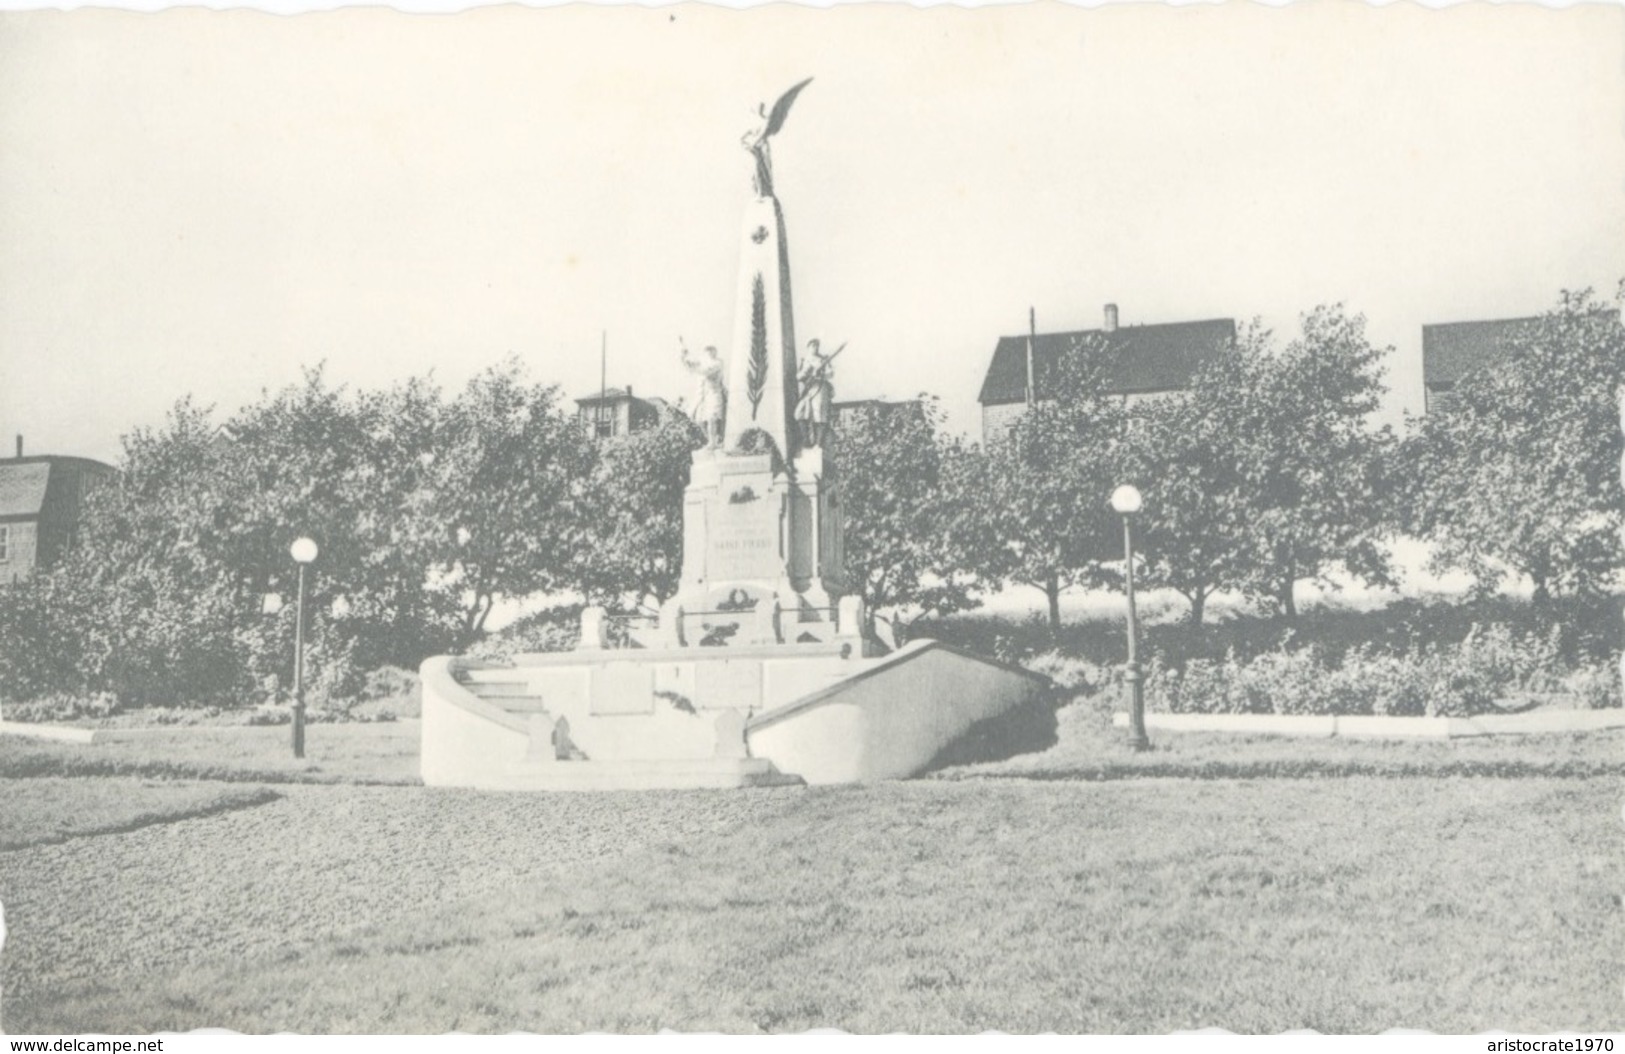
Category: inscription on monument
[744,541]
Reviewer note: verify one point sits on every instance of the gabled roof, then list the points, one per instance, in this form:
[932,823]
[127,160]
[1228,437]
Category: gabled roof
[1452,349]
[22,487]
[608,395]
[24,481]
[1156,358]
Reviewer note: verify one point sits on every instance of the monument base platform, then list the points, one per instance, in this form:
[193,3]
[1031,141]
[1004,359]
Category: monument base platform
[696,774]
[719,717]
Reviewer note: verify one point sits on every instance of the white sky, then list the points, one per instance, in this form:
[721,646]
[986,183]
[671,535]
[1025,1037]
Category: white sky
[203,202]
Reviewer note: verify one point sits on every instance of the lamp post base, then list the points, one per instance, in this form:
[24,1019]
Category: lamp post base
[1134,679]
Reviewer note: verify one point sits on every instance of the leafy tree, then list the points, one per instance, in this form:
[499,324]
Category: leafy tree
[341,468]
[1521,467]
[1313,472]
[633,513]
[159,614]
[1043,487]
[901,505]
[506,493]
[1182,454]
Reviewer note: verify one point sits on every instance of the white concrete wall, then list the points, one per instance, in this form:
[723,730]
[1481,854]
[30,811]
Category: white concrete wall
[458,745]
[839,720]
[892,720]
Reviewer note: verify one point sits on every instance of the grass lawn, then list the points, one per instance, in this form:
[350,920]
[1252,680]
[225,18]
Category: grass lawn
[1088,747]
[385,752]
[42,811]
[1145,905]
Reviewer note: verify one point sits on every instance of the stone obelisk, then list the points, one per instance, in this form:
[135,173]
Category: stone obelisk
[762,537]
[762,374]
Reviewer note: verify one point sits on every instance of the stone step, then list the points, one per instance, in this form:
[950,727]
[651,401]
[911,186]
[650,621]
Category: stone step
[502,691]
[493,675]
[676,774]
[519,704]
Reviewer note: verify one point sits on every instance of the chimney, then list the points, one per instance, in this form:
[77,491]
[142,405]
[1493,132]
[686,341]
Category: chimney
[1111,319]
[19,446]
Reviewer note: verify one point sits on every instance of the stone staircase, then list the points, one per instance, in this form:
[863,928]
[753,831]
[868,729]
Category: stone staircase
[510,691]
[507,689]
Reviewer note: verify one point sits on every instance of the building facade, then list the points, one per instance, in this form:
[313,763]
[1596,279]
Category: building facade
[615,412]
[1156,361]
[883,409]
[1451,350]
[41,503]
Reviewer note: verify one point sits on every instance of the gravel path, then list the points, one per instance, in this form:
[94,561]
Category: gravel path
[317,862]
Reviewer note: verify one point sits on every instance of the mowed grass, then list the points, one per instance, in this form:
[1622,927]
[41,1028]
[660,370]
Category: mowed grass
[1150,905]
[1088,747]
[385,752]
[43,811]
[1085,746]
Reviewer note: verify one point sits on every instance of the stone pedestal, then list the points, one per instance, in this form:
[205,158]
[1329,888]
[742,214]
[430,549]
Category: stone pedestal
[761,552]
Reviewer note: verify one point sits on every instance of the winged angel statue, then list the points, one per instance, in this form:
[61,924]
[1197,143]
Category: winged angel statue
[768,123]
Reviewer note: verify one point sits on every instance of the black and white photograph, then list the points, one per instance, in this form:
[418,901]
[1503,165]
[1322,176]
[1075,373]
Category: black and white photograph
[932,520]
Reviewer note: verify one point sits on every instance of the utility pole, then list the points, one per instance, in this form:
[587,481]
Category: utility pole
[603,384]
[1032,341]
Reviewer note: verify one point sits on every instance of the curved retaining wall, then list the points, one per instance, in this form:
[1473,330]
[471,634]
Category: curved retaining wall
[870,719]
[889,720]
[462,734]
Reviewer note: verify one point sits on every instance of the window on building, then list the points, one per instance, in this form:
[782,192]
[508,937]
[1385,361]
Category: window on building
[5,543]
[604,414]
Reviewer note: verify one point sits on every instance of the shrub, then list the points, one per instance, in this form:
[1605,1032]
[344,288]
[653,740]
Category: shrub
[552,629]
[63,707]
[1202,686]
[40,655]
[1396,686]
[1078,676]
[1595,687]
[1472,677]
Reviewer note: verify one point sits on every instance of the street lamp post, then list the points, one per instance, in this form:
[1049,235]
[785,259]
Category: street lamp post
[1126,502]
[303,552]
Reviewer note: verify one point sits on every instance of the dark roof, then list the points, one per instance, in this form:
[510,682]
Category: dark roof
[22,487]
[883,409]
[23,481]
[1156,358]
[608,395]
[878,404]
[1451,349]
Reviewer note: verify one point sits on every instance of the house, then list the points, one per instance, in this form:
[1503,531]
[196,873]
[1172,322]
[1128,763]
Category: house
[615,412]
[1157,360]
[887,409]
[1451,350]
[41,500]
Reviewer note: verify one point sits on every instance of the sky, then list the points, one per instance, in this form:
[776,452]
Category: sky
[205,203]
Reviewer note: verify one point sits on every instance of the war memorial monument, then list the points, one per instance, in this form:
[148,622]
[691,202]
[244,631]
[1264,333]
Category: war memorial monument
[758,670]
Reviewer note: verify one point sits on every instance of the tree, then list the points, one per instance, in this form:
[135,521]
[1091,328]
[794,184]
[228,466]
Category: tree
[178,554]
[1182,453]
[342,468]
[900,501]
[1043,488]
[161,613]
[633,513]
[507,493]
[1313,472]
[1521,467]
